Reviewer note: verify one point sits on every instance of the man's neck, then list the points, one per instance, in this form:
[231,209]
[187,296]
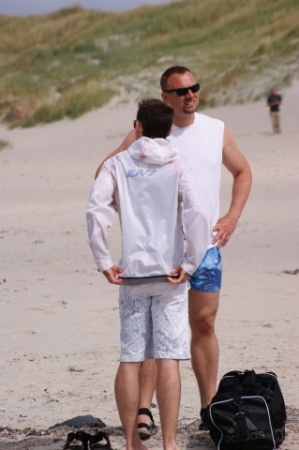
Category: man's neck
[184,121]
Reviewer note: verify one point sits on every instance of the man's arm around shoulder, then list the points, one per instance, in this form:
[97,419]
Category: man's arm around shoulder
[129,139]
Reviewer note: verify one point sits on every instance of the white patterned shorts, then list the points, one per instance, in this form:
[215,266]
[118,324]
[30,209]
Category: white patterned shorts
[154,322]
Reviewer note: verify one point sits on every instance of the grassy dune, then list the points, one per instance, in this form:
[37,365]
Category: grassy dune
[72,61]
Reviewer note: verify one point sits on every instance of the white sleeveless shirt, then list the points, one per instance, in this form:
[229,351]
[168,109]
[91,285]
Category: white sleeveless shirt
[202,144]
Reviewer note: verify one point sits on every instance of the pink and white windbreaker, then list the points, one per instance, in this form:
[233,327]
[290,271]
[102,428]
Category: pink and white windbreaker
[153,190]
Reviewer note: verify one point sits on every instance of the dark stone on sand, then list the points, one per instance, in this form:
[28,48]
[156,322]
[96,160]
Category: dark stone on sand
[81,422]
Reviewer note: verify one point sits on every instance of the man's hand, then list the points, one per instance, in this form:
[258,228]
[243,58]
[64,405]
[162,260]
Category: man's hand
[182,276]
[111,275]
[224,228]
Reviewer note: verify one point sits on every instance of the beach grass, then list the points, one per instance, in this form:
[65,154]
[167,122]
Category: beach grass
[69,62]
[3,144]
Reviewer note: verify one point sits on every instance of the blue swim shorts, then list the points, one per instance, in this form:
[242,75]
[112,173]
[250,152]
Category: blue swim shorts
[207,277]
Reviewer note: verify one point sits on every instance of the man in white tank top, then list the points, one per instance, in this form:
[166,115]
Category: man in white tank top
[208,144]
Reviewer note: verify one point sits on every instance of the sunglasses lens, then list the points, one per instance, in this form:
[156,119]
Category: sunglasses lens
[184,91]
[195,88]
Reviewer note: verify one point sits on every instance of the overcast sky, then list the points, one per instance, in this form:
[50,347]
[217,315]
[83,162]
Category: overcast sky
[29,7]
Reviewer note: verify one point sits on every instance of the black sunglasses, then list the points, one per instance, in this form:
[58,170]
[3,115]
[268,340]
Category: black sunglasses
[184,91]
[134,122]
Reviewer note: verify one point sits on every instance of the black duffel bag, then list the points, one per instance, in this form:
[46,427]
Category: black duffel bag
[248,412]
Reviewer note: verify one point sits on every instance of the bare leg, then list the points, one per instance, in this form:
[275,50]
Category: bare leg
[127,397]
[277,122]
[203,308]
[147,386]
[168,397]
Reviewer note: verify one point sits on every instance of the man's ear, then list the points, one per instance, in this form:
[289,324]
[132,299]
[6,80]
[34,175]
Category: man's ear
[138,129]
[164,96]
[138,126]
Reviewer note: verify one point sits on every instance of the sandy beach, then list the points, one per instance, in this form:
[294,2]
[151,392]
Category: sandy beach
[59,330]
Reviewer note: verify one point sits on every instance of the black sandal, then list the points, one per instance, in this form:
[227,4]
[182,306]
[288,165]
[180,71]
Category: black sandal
[87,440]
[151,429]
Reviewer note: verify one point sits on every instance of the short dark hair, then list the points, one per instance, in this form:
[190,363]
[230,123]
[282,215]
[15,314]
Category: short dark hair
[156,118]
[168,72]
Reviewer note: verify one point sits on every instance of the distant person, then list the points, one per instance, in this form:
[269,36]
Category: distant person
[153,190]
[208,144]
[274,102]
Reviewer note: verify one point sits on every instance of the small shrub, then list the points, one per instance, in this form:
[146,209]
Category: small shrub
[3,144]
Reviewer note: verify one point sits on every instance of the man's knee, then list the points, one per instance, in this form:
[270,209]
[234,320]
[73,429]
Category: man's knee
[203,309]
[203,324]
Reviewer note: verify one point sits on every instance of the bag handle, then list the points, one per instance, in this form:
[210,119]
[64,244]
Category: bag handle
[249,378]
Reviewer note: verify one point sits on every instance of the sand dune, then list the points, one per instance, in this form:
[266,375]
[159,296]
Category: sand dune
[59,329]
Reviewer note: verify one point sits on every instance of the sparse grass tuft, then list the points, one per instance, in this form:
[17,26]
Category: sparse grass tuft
[3,144]
[77,100]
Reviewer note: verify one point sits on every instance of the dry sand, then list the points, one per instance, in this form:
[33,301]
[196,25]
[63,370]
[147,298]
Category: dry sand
[59,331]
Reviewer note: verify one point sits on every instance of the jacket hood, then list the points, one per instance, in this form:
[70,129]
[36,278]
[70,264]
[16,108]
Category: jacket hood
[153,151]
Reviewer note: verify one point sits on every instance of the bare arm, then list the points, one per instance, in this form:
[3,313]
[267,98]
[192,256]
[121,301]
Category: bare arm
[237,165]
[129,139]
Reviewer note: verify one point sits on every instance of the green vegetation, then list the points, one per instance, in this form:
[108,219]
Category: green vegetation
[72,61]
[3,144]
